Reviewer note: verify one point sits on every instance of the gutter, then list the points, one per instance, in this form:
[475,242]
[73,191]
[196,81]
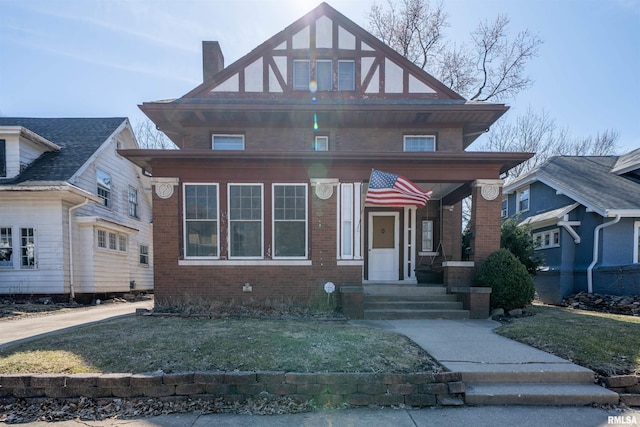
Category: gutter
[596,243]
[71,277]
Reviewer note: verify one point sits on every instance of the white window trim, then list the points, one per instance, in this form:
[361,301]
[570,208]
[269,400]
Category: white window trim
[504,213]
[35,249]
[147,255]
[306,220]
[235,135]
[404,142]
[347,219]
[636,240]
[542,235]
[11,264]
[229,220]
[107,248]
[356,217]
[520,191]
[109,200]
[293,74]
[184,220]
[351,61]
[324,139]
[422,243]
[129,203]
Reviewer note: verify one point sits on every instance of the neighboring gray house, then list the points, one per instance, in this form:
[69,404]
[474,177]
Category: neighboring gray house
[75,216]
[585,218]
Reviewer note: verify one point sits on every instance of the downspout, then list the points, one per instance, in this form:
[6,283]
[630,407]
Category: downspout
[596,243]
[71,278]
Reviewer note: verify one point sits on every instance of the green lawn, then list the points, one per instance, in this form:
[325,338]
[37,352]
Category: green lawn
[608,344]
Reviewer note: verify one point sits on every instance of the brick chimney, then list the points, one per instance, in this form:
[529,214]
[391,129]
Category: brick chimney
[212,59]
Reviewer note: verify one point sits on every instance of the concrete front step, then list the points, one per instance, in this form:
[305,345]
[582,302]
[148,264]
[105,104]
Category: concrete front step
[566,373]
[387,314]
[539,394]
[414,298]
[403,290]
[412,305]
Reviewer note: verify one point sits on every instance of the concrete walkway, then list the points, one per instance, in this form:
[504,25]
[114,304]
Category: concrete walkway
[20,330]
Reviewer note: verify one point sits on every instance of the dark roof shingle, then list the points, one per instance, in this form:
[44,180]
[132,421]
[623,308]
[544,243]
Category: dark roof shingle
[78,139]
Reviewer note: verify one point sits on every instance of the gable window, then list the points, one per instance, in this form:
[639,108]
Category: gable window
[133,202]
[419,143]
[321,143]
[144,254]
[547,239]
[289,220]
[427,236]
[522,200]
[6,247]
[504,211]
[245,221]
[324,74]
[201,220]
[301,74]
[3,158]
[346,75]
[227,142]
[104,187]
[28,248]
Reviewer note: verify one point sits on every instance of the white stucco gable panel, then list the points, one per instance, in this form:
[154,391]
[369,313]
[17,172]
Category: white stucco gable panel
[253,77]
[274,84]
[300,40]
[324,32]
[232,84]
[281,65]
[366,47]
[393,77]
[346,40]
[416,86]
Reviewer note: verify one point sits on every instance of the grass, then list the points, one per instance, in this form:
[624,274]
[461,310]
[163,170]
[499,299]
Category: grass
[148,344]
[608,344]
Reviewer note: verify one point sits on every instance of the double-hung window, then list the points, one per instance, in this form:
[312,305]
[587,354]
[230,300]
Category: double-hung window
[102,239]
[346,75]
[144,254]
[290,221]
[104,187]
[227,142]
[133,202]
[321,143]
[504,210]
[419,143]
[427,236]
[3,158]
[27,248]
[201,220]
[245,221]
[324,74]
[6,247]
[522,200]
[301,74]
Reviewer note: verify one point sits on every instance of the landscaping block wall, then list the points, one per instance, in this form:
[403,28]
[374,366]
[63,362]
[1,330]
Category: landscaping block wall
[356,389]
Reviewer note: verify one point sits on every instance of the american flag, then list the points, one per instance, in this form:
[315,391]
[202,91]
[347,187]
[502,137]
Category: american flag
[387,189]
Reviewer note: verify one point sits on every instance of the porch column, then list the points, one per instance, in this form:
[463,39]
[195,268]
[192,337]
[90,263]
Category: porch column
[485,218]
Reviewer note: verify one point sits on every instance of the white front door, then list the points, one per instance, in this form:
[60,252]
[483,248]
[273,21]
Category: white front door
[383,246]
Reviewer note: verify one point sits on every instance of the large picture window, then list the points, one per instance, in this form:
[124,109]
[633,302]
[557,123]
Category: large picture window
[201,220]
[245,221]
[290,220]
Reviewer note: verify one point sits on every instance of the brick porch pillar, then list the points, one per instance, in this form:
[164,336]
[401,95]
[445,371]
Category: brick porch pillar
[485,218]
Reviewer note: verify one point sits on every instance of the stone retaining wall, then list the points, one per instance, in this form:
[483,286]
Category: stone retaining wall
[627,386]
[356,389]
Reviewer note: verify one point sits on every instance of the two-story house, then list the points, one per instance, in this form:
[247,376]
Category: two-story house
[584,213]
[75,216]
[266,196]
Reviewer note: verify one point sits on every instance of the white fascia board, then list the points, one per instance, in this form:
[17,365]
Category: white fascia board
[623,213]
[523,182]
[52,186]
[22,131]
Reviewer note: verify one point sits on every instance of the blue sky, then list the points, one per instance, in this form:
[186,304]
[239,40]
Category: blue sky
[80,58]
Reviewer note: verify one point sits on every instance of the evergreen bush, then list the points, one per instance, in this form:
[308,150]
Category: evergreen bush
[512,286]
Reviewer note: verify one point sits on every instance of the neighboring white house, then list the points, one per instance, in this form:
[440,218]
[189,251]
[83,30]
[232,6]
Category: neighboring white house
[75,216]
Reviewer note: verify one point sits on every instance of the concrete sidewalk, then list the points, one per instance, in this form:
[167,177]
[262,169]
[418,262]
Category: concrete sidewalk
[523,416]
[20,330]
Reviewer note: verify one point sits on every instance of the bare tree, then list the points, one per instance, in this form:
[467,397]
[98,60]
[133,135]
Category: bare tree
[490,66]
[149,137]
[538,133]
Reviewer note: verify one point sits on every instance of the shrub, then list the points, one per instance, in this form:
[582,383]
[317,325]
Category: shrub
[517,239]
[512,286]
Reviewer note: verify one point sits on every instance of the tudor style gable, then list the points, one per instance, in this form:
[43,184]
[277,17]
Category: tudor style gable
[326,54]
